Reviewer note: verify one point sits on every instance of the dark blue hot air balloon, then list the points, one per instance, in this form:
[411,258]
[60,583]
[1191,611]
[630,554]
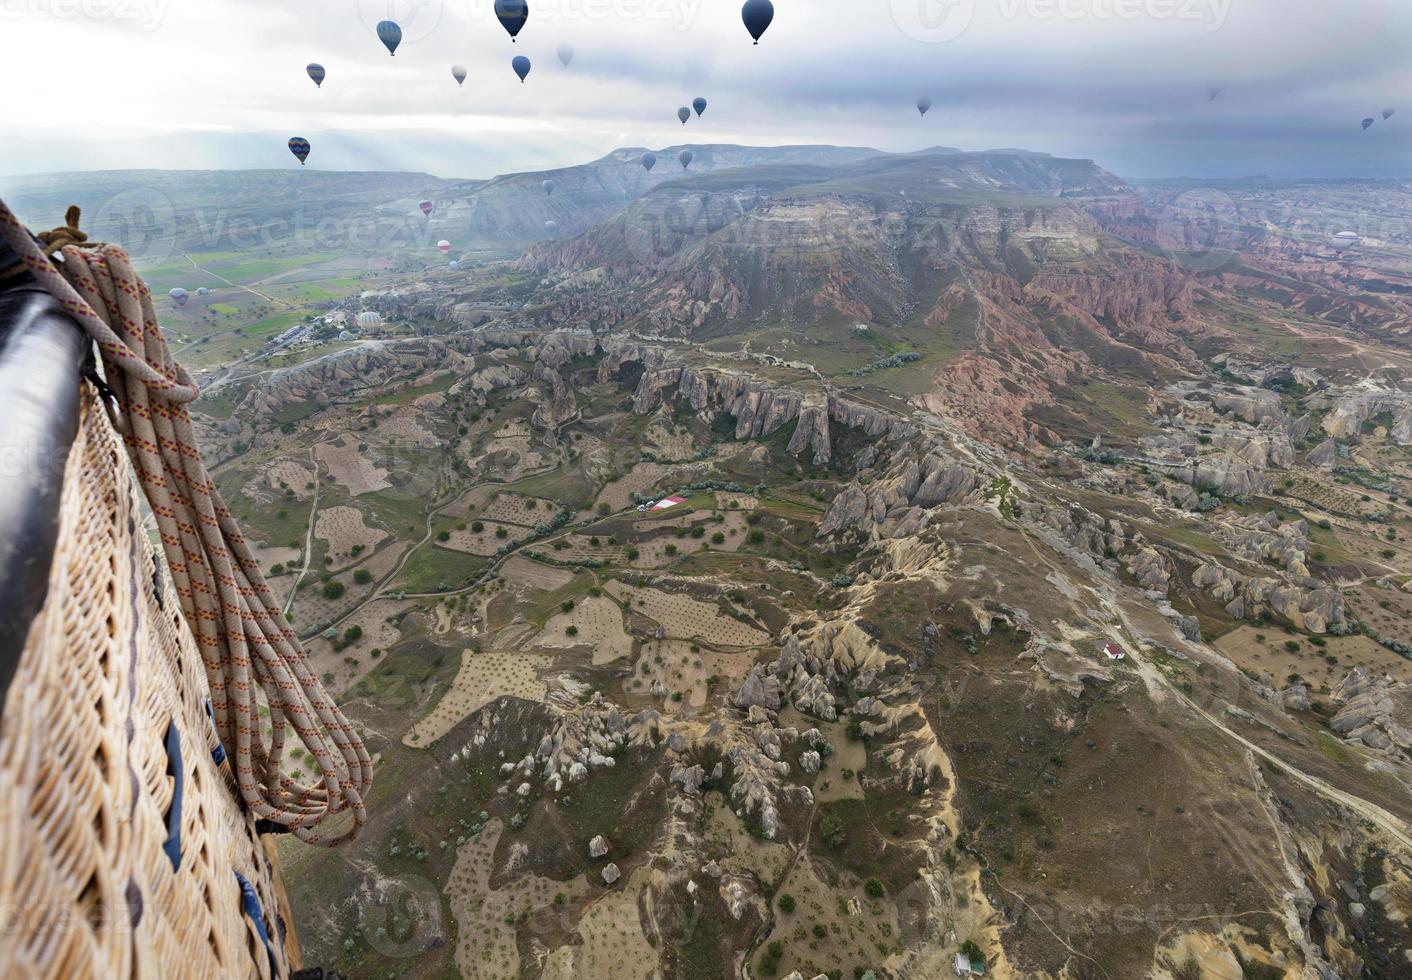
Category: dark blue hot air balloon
[521,64]
[758,15]
[299,146]
[390,35]
[316,72]
[699,104]
[649,160]
[512,15]
[1368,123]
[683,114]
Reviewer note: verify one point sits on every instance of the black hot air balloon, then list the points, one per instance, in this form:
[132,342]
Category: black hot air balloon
[757,15]
[299,146]
[316,72]
[1368,123]
[512,15]
[390,35]
[521,64]
[699,104]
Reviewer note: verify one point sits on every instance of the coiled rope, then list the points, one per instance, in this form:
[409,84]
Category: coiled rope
[245,641]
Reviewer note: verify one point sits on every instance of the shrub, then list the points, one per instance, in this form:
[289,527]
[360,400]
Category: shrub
[873,888]
[568,605]
[444,536]
[501,533]
[786,904]
[572,631]
[362,576]
[333,590]
[478,526]
[718,538]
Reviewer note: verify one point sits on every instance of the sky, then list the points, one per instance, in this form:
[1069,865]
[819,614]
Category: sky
[221,84]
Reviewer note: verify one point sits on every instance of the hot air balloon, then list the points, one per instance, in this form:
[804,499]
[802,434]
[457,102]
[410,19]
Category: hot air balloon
[757,15]
[458,72]
[552,227]
[1347,239]
[683,114]
[699,104]
[316,72]
[549,186]
[426,207]
[1214,92]
[566,54]
[521,64]
[686,156]
[179,296]
[453,265]
[390,35]
[924,104]
[203,291]
[1368,123]
[444,247]
[368,319]
[649,160]
[299,146]
[1389,113]
[512,15]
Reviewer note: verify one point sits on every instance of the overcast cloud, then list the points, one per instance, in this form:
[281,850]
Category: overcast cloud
[96,84]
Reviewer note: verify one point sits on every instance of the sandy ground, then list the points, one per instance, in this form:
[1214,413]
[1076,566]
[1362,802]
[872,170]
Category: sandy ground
[291,474]
[856,931]
[1244,650]
[669,442]
[522,571]
[614,946]
[483,678]
[350,469]
[847,754]
[471,501]
[600,625]
[742,501]
[406,427]
[641,478]
[685,618]
[353,662]
[485,543]
[684,670]
[508,508]
[269,557]
[485,941]
[344,529]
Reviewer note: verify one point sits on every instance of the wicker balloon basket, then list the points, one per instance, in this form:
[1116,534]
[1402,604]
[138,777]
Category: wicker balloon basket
[124,848]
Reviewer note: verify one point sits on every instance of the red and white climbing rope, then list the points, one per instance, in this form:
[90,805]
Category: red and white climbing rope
[246,643]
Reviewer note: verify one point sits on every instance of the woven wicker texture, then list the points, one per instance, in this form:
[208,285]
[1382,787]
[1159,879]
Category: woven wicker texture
[87,888]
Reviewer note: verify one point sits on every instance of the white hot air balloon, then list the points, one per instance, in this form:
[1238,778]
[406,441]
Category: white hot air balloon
[369,319]
[566,54]
[1346,240]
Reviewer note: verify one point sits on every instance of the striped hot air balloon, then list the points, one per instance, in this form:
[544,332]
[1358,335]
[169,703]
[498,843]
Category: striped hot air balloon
[299,146]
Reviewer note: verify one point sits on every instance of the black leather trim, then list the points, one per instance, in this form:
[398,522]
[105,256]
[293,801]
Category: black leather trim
[41,360]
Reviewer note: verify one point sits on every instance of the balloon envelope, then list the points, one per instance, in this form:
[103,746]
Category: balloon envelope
[549,186]
[512,15]
[521,64]
[1389,113]
[757,15]
[203,291]
[179,296]
[551,225]
[649,160]
[390,35]
[369,319]
[316,72]
[699,104]
[453,265]
[458,72]
[686,156]
[566,54]
[444,247]
[683,114]
[299,146]
[426,207]
[1367,123]
[924,105]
